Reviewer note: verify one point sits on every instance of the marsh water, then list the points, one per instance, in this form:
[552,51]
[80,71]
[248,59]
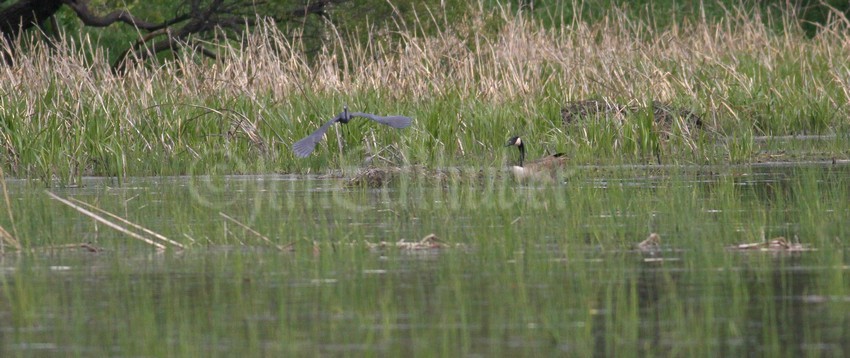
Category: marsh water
[288,265]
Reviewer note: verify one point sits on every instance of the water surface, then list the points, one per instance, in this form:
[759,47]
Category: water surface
[524,269]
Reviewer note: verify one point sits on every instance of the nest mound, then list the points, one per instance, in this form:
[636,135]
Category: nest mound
[377,177]
[665,115]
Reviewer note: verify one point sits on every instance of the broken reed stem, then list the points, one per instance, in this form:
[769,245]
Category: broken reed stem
[106,222]
[7,238]
[246,227]
[125,221]
[84,245]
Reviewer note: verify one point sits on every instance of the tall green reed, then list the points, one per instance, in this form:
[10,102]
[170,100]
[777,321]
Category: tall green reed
[469,86]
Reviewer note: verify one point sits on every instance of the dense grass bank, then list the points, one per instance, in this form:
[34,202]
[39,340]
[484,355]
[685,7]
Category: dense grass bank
[64,114]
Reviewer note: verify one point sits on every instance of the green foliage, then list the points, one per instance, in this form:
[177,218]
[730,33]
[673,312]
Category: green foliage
[814,15]
[468,85]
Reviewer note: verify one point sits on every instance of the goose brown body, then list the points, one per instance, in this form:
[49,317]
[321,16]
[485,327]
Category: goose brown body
[540,169]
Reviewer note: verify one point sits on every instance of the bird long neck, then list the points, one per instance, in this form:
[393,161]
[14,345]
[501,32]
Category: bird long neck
[521,153]
[344,116]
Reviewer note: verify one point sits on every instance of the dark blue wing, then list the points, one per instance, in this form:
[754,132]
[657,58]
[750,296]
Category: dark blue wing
[392,121]
[305,146]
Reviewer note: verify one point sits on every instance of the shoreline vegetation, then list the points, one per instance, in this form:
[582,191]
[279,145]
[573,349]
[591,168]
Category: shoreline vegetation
[703,210]
[696,92]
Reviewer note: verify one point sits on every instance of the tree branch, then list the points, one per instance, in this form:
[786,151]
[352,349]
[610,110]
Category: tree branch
[81,8]
[143,49]
[195,19]
[317,7]
[204,51]
[25,14]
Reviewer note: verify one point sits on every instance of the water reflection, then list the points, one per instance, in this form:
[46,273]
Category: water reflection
[538,270]
[755,308]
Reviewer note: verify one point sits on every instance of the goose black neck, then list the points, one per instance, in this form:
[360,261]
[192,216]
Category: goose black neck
[521,147]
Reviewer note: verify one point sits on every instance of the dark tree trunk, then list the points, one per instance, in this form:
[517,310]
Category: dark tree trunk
[25,14]
[199,18]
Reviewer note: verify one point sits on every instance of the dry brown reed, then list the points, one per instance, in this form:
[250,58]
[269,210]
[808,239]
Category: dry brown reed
[7,238]
[713,67]
[131,224]
[118,227]
[288,247]
[619,56]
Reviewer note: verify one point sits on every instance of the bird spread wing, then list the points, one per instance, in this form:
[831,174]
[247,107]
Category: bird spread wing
[392,121]
[305,146]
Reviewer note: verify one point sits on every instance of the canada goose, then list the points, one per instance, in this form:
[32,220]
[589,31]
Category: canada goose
[542,168]
[305,146]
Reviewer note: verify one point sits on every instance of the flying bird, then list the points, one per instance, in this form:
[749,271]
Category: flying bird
[305,146]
